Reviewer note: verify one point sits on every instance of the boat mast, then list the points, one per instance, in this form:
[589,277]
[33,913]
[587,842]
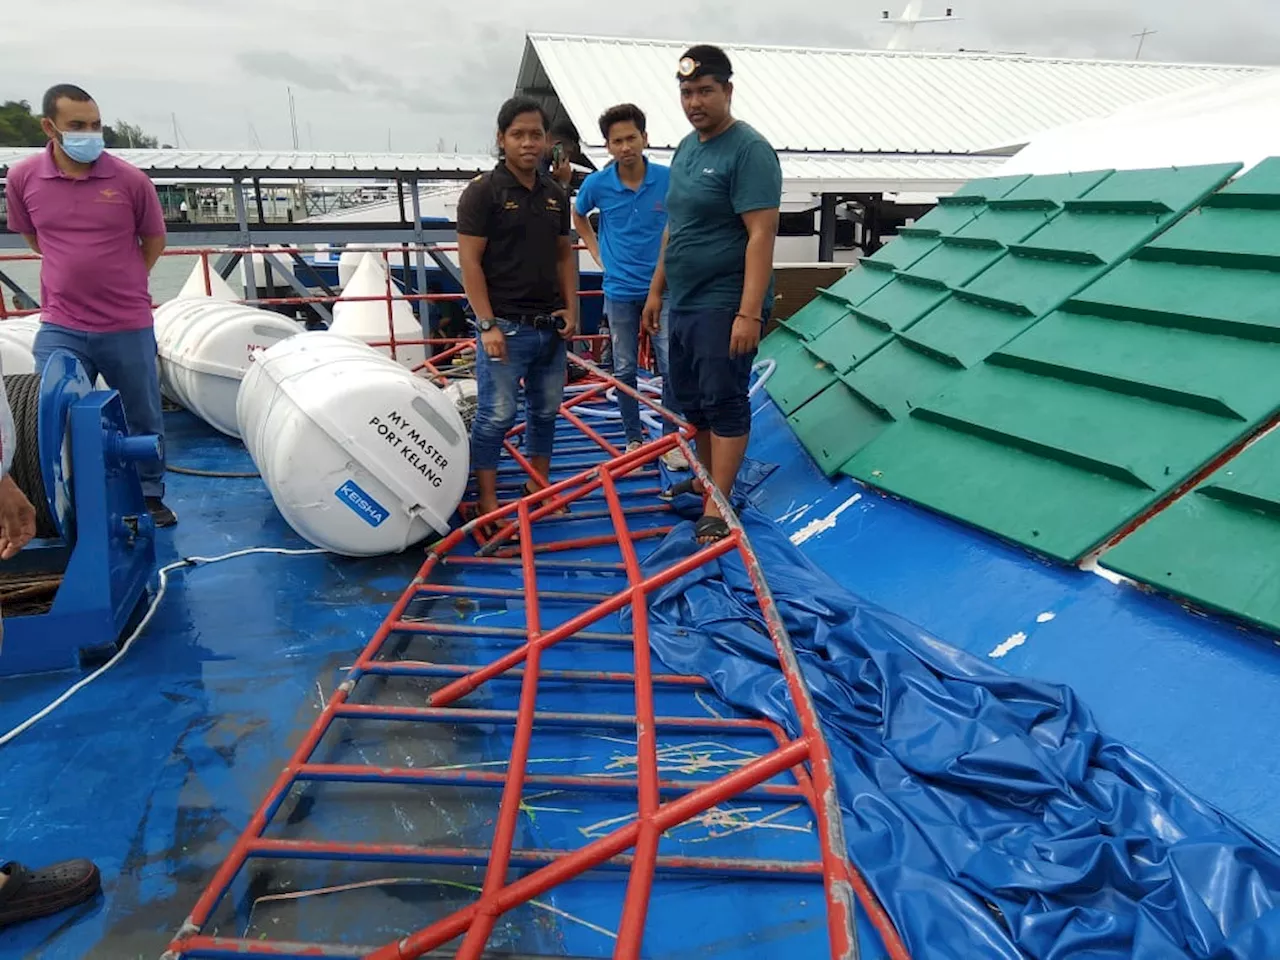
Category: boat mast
[905,24]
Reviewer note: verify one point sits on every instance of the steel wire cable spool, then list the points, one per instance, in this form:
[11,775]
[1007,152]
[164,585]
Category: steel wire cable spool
[466,399]
[23,390]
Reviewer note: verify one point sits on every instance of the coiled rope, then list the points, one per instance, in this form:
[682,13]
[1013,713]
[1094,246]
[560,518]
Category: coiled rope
[23,390]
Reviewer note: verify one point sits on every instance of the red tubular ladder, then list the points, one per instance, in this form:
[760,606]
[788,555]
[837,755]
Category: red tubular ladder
[661,804]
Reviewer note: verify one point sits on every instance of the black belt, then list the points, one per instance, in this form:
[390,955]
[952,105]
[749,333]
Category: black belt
[539,321]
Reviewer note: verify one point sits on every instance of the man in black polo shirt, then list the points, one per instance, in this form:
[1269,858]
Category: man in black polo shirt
[519,276]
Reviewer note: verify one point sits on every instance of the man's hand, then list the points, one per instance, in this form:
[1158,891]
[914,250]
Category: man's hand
[651,316]
[745,336]
[563,173]
[17,519]
[570,318]
[494,343]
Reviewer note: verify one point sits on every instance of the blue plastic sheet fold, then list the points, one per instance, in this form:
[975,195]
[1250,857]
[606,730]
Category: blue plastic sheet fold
[988,812]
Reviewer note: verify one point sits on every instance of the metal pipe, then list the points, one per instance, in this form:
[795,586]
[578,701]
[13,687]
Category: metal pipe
[568,783]
[487,911]
[545,718]
[721,867]
[635,905]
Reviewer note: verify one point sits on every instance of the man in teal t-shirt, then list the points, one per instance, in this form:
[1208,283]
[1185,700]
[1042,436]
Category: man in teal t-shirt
[716,269]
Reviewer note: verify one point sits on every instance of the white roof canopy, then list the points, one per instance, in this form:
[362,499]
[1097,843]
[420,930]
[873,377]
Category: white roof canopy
[1232,122]
[808,100]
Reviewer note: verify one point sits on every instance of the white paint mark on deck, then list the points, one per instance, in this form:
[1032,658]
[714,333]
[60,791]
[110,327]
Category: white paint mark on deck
[823,524]
[1015,641]
[1046,616]
[794,513]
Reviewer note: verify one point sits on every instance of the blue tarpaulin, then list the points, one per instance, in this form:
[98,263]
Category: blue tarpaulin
[988,812]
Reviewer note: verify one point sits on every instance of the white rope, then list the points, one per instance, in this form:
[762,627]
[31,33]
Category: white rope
[142,625]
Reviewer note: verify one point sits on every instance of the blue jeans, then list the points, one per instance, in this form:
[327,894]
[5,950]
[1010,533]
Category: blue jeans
[537,357]
[624,330]
[127,361]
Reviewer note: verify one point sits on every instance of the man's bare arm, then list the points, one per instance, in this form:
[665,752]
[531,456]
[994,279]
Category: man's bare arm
[474,285]
[33,243]
[762,230]
[567,270]
[658,284]
[588,234]
[651,315]
[152,247]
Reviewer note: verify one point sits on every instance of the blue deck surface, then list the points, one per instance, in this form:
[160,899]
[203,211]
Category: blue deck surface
[154,770]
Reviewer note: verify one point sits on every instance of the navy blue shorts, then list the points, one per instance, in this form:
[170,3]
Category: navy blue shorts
[711,387]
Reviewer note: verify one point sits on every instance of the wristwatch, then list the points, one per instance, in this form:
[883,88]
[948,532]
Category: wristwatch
[484,326]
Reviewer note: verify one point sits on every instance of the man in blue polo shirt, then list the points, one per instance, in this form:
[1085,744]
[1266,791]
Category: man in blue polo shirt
[717,270]
[630,194]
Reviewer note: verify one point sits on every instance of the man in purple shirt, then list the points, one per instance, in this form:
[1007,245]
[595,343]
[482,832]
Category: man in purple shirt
[96,222]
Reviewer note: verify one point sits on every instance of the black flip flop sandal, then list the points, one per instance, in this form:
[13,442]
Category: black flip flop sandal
[488,531]
[677,489]
[710,529]
[30,894]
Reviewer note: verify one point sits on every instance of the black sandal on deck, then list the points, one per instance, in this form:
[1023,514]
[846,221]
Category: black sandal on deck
[710,529]
[678,489]
[488,531]
[29,894]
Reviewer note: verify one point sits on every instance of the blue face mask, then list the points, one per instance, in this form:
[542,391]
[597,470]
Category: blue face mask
[82,147]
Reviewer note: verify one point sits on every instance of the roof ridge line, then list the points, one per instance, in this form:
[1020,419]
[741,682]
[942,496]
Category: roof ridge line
[533,36]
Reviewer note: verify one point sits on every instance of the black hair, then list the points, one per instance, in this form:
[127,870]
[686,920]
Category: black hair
[59,90]
[712,62]
[564,130]
[622,113]
[515,107]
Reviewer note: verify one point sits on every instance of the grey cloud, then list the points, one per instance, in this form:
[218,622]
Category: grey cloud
[278,65]
[365,74]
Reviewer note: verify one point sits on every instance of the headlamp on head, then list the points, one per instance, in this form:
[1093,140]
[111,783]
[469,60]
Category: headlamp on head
[688,67]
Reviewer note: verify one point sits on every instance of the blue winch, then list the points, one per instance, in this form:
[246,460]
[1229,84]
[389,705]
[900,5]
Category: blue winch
[95,541]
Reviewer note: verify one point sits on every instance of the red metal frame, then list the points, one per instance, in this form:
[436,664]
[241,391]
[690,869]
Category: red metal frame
[661,804]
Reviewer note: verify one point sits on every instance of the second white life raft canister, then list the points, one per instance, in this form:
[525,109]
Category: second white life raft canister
[361,457]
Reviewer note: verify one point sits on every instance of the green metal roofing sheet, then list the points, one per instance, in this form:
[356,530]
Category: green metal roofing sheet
[1056,433]
[839,339]
[1218,546]
[911,348]
[951,214]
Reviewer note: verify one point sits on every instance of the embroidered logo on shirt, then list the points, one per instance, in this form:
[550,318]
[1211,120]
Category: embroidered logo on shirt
[110,195]
[510,205]
[553,204]
[708,170]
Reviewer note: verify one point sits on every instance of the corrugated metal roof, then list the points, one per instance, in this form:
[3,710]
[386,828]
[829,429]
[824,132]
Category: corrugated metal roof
[861,173]
[214,163]
[877,101]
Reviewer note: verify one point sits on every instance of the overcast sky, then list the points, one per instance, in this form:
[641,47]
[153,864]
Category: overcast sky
[424,74]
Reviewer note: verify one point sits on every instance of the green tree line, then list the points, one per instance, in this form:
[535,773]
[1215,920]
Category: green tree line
[20,127]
